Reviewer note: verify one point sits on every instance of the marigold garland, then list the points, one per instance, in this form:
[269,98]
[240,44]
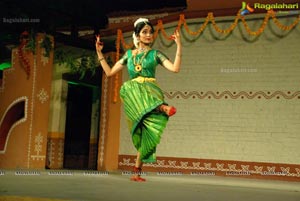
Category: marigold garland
[210,18]
[260,30]
[24,38]
[116,81]
[23,60]
[194,32]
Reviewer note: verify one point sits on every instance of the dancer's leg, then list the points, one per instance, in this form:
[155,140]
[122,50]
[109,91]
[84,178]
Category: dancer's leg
[137,169]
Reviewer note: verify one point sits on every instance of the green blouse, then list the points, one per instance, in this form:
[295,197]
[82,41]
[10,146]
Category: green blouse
[148,63]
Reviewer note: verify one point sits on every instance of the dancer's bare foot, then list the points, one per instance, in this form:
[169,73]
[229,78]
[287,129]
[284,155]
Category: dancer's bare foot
[137,178]
[168,110]
[137,175]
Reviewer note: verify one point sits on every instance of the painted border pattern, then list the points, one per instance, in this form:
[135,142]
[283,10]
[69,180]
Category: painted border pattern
[32,106]
[233,95]
[223,167]
[55,153]
[104,120]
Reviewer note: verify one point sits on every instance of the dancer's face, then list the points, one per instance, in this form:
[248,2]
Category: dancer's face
[146,35]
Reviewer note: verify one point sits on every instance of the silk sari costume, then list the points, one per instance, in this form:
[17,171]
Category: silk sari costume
[141,95]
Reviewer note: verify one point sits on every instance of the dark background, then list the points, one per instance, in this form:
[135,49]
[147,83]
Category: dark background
[57,15]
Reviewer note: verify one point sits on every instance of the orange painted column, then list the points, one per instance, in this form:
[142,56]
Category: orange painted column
[108,146]
[26,139]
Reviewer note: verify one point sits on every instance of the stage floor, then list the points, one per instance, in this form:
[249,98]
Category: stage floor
[50,185]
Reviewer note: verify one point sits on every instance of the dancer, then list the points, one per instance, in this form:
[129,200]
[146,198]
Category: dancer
[146,111]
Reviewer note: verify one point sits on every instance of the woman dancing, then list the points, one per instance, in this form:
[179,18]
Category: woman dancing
[146,111]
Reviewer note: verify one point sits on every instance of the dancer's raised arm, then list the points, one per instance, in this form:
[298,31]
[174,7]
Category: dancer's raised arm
[105,66]
[175,66]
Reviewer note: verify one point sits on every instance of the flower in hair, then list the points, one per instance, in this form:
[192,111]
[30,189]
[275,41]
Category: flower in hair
[140,20]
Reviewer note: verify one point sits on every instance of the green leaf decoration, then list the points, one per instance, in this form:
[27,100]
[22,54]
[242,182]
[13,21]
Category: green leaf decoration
[81,65]
[47,45]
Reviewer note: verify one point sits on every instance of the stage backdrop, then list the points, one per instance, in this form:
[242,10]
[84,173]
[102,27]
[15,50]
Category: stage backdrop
[237,98]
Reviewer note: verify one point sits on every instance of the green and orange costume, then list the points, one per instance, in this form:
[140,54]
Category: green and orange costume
[142,96]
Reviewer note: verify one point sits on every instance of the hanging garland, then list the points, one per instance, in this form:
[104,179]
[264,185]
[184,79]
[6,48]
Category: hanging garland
[118,46]
[28,43]
[24,40]
[210,18]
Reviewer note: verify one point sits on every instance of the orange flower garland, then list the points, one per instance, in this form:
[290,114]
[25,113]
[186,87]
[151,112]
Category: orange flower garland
[210,18]
[22,58]
[193,32]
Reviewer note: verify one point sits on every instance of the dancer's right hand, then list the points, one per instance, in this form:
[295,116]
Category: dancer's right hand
[98,43]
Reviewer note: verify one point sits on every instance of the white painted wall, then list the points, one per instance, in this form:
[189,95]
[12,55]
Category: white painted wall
[265,129]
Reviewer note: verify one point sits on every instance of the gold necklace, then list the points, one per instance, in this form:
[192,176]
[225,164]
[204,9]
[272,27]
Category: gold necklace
[138,66]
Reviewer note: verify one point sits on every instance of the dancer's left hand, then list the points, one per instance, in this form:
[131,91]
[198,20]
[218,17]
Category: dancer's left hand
[176,37]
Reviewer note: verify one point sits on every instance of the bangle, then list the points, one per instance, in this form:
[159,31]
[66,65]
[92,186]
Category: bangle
[178,55]
[101,59]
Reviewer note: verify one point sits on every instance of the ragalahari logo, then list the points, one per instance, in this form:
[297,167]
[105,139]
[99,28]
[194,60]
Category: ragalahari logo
[246,8]
[278,7]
